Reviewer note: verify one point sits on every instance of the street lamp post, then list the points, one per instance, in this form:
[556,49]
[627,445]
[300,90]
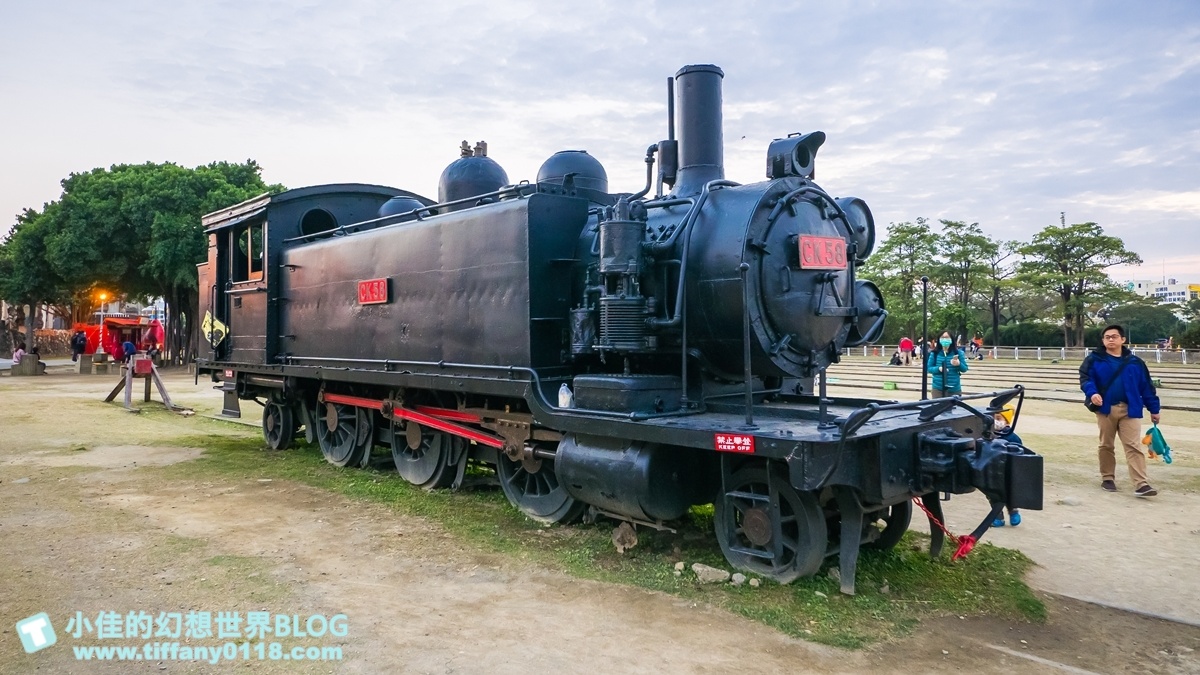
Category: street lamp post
[100,348]
[928,352]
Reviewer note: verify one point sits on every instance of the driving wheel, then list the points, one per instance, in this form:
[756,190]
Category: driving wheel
[767,527]
[423,455]
[532,486]
[343,432]
[278,424]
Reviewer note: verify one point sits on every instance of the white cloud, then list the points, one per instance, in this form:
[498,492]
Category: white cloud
[997,112]
[1178,204]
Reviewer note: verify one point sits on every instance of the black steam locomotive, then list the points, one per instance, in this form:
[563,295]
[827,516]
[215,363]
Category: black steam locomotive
[625,355]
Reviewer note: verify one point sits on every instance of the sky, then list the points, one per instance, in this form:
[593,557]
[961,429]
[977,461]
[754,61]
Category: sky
[1009,114]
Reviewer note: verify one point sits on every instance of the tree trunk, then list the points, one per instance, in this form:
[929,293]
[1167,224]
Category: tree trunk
[12,326]
[182,306]
[173,306]
[191,334]
[30,320]
[168,347]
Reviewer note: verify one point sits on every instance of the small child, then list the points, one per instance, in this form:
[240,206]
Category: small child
[1003,430]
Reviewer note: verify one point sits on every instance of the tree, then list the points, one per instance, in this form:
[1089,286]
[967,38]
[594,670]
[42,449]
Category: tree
[136,229]
[1070,261]
[1191,310]
[1145,320]
[897,266]
[999,280]
[26,277]
[964,250]
[1190,339]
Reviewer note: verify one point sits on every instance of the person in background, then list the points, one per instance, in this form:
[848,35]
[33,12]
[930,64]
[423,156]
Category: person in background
[977,347]
[896,360]
[906,350]
[129,350]
[1003,430]
[946,364]
[18,353]
[78,344]
[1118,382]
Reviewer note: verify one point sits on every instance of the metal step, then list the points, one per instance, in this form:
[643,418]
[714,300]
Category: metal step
[748,496]
[765,555]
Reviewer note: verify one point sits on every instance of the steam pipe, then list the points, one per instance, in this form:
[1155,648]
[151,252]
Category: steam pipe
[744,269]
[649,173]
[688,224]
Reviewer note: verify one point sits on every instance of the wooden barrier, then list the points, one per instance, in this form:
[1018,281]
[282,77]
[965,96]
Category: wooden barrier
[142,367]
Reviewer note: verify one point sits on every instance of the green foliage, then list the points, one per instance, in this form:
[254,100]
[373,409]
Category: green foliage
[132,229]
[980,285]
[1030,334]
[1190,339]
[961,273]
[26,276]
[137,227]
[907,254]
[1146,320]
[1000,286]
[1191,310]
[1070,261]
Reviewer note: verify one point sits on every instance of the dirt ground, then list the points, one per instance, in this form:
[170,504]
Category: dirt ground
[85,526]
[1109,548]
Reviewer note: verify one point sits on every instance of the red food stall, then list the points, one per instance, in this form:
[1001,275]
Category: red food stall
[116,330]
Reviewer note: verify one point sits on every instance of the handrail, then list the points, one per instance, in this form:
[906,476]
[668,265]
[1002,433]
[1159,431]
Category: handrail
[533,379]
[522,190]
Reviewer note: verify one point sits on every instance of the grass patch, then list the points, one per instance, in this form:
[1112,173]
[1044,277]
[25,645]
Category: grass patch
[896,589]
[177,546]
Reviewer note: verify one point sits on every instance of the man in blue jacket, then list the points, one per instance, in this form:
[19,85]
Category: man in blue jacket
[1117,381]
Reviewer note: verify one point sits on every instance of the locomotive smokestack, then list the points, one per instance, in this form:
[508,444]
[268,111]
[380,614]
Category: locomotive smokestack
[701,147]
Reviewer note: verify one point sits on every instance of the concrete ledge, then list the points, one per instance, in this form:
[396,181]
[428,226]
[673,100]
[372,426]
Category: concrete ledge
[30,365]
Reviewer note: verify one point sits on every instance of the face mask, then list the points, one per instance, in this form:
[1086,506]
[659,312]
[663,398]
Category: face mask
[945,342]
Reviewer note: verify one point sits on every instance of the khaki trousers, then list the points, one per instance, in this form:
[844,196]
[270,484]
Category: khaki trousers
[1118,423]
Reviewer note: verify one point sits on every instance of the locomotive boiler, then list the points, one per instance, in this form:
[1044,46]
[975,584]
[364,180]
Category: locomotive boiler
[620,354]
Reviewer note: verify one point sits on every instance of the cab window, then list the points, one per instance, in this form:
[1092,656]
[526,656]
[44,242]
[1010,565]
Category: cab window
[246,260]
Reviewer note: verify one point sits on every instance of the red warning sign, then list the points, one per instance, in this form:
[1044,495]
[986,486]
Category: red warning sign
[743,443]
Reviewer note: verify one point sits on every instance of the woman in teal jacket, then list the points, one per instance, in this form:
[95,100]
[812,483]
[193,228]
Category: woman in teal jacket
[946,365]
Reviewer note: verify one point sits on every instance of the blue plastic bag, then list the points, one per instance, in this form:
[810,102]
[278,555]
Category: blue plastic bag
[1156,444]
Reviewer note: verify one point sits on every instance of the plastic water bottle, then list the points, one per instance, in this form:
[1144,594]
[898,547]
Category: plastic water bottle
[565,398]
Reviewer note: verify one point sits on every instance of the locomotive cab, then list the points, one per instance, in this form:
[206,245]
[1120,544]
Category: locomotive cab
[243,284]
